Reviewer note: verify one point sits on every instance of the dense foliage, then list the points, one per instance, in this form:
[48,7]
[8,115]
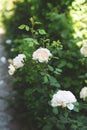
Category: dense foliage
[62,31]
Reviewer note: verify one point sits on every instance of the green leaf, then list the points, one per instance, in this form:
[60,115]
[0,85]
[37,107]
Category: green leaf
[41,31]
[37,23]
[58,71]
[55,110]
[62,64]
[22,26]
[76,107]
[53,81]
[45,79]
[31,19]
[50,68]
[27,27]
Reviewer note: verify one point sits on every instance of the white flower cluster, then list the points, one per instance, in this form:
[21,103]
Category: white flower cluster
[16,63]
[42,55]
[83,93]
[83,50]
[63,98]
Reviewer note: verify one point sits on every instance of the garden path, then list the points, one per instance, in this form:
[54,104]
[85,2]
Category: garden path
[6,120]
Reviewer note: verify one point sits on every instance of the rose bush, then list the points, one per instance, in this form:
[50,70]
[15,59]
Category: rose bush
[37,82]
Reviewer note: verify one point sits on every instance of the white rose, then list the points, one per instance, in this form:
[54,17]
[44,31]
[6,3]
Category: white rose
[63,98]
[18,61]
[83,50]
[83,93]
[11,69]
[42,55]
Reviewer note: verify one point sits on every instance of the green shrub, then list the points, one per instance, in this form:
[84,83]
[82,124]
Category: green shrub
[35,83]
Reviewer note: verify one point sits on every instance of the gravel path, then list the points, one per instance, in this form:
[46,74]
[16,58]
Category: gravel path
[6,120]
